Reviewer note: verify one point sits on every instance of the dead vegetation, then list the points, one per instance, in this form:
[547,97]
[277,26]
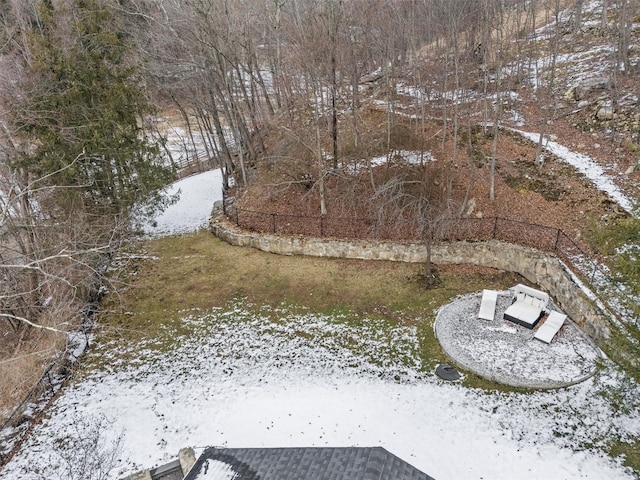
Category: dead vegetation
[553,194]
[25,357]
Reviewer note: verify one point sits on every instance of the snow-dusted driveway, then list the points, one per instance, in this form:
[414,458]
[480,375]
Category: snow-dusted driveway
[197,194]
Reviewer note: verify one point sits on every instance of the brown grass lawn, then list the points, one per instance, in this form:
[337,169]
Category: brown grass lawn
[199,271]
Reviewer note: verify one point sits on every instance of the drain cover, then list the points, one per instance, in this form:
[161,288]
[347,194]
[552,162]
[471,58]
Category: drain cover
[447,372]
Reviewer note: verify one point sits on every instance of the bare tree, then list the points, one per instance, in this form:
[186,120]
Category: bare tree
[604,16]
[550,72]
[624,24]
[85,452]
[577,15]
[418,197]
[44,262]
[500,47]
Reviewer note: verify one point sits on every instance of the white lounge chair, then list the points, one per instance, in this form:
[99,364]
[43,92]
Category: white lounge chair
[527,306]
[550,327]
[488,304]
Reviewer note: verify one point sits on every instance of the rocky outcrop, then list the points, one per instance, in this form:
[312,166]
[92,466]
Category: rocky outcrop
[594,97]
[588,86]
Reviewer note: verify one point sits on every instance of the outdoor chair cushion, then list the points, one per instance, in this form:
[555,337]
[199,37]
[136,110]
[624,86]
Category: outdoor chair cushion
[488,304]
[527,306]
[523,313]
[550,327]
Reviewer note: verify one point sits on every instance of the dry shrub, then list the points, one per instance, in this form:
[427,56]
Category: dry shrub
[26,354]
[23,367]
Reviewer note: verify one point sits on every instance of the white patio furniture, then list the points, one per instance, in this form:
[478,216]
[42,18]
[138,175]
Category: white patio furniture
[527,307]
[550,327]
[488,304]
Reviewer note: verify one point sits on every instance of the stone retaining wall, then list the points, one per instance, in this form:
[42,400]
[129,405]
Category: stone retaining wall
[537,267]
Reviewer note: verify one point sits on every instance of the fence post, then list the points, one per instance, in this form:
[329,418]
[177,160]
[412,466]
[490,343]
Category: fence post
[224,202]
[321,226]
[555,247]
[273,222]
[495,227]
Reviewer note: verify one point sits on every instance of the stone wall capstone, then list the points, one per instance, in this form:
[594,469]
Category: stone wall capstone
[539,268]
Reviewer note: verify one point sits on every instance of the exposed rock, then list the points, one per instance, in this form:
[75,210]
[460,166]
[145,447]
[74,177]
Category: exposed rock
[217,209]
[570,94]
[582,90]
[371,78]
[605,113]
[630,170]
[471,206]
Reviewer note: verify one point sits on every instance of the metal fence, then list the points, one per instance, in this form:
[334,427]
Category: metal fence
[541,237]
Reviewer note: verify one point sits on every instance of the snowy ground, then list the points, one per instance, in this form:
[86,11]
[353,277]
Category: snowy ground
[585,165]
[281,378]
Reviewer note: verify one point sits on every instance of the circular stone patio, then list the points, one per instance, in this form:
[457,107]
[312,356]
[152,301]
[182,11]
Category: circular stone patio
[507,353]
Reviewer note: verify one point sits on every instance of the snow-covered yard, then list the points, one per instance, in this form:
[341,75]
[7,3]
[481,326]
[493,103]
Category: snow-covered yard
[249,376]
[280,378]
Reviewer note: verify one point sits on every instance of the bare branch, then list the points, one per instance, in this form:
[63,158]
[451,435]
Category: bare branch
[30,323]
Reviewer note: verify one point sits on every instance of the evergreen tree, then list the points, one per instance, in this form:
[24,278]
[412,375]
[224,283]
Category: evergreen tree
[82,112]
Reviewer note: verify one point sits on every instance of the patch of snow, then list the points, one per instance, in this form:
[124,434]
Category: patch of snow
[197,196]
[216,470]
[514,117]
[594,62]
[504,328]
[585,165]
[406,156]
[409,157]
[411,91]
[77,344]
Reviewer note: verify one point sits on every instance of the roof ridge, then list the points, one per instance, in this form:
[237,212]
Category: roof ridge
[375,466]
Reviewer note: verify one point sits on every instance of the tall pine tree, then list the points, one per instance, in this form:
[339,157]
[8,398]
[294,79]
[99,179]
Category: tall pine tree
[82,110]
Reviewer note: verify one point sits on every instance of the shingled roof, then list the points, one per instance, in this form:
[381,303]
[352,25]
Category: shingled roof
[350,463]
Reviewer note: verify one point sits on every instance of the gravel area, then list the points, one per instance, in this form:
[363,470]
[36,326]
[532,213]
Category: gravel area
[507,353]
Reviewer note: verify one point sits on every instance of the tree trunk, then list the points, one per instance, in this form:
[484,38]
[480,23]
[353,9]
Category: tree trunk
[334,85]
[321,169]
[577,24]
[625,23]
